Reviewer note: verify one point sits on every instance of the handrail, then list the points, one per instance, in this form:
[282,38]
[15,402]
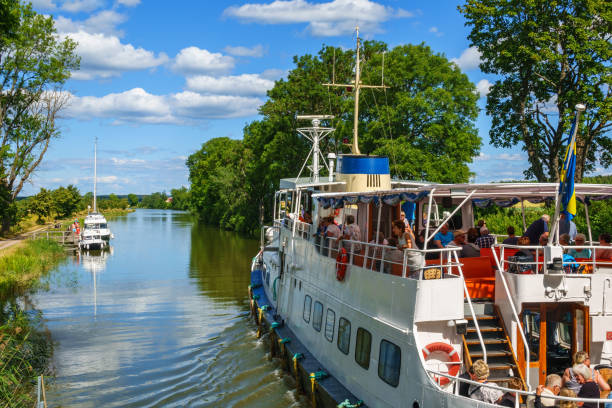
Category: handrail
[467,296]
[514,391]
[516,318]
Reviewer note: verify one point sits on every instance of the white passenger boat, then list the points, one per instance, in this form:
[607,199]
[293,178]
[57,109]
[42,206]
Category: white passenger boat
[362,326]
[95,233]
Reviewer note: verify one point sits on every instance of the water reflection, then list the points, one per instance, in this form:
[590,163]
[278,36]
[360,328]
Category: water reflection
[94,261]
[163,322]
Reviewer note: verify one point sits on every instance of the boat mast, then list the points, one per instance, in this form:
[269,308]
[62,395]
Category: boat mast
[357,85]
[95,171]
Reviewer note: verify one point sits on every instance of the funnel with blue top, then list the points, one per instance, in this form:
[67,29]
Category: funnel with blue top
[364,173]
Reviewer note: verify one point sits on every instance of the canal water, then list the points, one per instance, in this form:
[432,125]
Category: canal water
[162,320]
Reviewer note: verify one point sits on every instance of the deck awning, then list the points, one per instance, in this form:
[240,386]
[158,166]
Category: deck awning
[500,194]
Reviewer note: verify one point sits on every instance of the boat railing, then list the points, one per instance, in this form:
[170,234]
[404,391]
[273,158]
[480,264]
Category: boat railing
[535,266]
[456,379]
[515,316]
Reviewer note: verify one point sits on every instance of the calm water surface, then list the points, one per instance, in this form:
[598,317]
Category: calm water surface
[160,321]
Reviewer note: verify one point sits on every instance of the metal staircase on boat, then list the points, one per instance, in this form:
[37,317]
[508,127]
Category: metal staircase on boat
[500,355]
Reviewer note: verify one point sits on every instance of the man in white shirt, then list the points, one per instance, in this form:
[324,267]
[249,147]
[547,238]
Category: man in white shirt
[552,388]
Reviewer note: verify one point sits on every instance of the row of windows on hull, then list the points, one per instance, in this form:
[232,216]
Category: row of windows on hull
[390,355]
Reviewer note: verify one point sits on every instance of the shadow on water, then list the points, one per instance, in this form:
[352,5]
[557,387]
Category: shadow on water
[220,261]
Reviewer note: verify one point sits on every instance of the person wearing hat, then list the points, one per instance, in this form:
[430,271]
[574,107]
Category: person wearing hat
[490,394]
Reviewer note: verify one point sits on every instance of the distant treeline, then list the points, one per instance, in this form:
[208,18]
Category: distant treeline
[179,199]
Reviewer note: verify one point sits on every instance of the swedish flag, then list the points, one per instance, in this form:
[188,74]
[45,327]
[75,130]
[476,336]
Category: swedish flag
[568,194]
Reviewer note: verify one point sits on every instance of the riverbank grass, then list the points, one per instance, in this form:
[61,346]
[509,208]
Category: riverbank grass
[22,269]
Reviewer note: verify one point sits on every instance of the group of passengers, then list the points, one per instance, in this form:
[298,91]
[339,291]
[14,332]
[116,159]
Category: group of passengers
[578,381]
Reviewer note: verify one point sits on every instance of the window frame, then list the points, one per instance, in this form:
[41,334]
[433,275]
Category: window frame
[320,318]
[382,363]
[333,325]
[309,298]
[358,341]
[348,345]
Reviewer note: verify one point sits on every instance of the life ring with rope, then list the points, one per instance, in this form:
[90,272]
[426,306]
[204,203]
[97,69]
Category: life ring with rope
[341,263]
[453,357]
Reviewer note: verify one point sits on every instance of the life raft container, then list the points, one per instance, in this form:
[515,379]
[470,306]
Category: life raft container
[453,357]
[341,263]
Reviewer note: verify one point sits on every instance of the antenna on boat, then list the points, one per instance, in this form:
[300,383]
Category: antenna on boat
[95,172]
[315,134]
[357,85]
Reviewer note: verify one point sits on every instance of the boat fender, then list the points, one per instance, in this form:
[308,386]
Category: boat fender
[341,263]
[453,356]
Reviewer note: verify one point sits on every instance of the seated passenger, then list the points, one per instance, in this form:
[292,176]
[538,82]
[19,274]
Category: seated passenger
[479,392]
[580,240]
[443,237]
[509,398]
[392,255]
[570,380]
[332,230]
[606,251]
[402,234]
[485,240]
[523,259]
[470,249]
[551,388]
[543,241]
[564,240]
[566,392]
[352,232]
[588,387]
[459,238]
[512,238]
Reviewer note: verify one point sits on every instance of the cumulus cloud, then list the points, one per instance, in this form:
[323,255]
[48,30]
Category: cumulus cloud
[128,3]
[194,60]
[240,51]
[469,59]
[196,106]
[434,30]
[332,18]
[103,22]
[105,56]
[43,4]
[138,106]
[135,105]
[245,84]
[483,87]
[78,6]
[511,157]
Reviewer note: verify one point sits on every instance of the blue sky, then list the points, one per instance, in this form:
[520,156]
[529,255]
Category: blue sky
[159,78]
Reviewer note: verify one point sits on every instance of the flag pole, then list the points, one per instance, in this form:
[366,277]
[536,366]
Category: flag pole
[555,224]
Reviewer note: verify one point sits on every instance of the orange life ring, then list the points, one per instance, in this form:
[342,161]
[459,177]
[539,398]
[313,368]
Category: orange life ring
[453,356]
[341,262]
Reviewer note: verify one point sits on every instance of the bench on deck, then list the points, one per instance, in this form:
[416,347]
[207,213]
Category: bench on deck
[478,274]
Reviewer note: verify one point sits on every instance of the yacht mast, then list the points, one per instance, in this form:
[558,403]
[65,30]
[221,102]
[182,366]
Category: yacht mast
[357,85]
[95,172]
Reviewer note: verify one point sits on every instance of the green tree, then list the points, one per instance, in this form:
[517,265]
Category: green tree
[155,200]
[34,65]
[66,200]
[133,200]
[41,204]
[550,56]
[180,198]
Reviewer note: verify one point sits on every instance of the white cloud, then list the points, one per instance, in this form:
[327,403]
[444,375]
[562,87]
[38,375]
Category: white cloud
[483,156]
[436,31]
[196,106]
[104,22]
[246,84]
[511,157]
[332,18]
[128,3]
[240,51]
[78,6]
[469,59]
[121,162]
[138,106]
[43,4]
[135,105]
[105,56]
[193,60]
[483,87]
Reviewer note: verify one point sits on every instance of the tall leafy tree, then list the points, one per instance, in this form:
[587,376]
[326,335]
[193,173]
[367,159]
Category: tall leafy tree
[550,55]
[41,204]
[34,65]
[66,200]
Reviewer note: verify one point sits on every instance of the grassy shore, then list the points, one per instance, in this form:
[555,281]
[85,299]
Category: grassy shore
[25,348]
